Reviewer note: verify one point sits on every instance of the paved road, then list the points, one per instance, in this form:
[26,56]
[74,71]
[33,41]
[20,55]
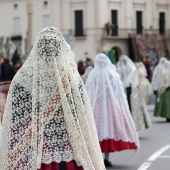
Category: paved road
[154,153]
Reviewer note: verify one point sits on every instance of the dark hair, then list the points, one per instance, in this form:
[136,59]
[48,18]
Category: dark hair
[6,60]
[80,63]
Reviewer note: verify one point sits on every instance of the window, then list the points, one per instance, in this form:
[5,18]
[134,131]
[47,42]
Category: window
[78,23]
[46,21]
[114,16]
[139,24]
[162,22]
[17,25]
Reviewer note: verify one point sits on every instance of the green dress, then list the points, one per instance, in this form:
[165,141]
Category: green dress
[162,107]
[110,56]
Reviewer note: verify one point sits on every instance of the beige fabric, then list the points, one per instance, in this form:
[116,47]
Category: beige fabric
[48,117]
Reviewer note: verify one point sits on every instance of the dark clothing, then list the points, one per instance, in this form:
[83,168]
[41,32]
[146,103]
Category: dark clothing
[129,91]
[81,67]
[81,70]
[15,58]
[7,72]
[61,166]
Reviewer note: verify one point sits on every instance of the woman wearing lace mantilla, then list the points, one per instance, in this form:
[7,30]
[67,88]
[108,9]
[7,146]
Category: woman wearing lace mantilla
[48,123]
[161,86]
[145,87]
[129,77]
[115,126]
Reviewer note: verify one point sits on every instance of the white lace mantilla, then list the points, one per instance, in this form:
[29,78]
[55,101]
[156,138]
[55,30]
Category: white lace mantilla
[127,71]
[108,100]
[47,116]
[145,87]
[161,75]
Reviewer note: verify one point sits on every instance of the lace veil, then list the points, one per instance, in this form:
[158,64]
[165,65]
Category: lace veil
[142,73]
[161,74]
[145,86]
[95,79]
[127,71]
[109,103]
[47,116]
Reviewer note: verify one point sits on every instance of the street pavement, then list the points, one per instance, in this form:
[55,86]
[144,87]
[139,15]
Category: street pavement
[154,152]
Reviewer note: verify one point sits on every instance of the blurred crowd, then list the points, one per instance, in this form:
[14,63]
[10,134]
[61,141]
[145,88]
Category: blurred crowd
[8,67]
[82,65]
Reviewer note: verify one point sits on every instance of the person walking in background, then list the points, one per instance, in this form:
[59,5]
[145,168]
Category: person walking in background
[15,57]
[144,84]
[81,67]
[7,70]
[89,67]
[18,65]
[48,122]
[115,126]
[161,87]
[129,77]
[89,62]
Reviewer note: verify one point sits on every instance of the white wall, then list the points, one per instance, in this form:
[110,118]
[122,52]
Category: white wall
[95,15]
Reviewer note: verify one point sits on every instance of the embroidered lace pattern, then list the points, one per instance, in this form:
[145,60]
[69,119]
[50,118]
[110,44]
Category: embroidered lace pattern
[47,116]
[108,100]
[161,75]
[127,71]
[129,76]
[49,47]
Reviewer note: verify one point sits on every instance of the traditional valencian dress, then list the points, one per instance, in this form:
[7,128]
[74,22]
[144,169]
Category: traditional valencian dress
[48,123]
[145,86]
[161,86]
[129,77]
[115,126]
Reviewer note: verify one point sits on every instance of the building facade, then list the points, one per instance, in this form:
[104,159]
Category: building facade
[96,25]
